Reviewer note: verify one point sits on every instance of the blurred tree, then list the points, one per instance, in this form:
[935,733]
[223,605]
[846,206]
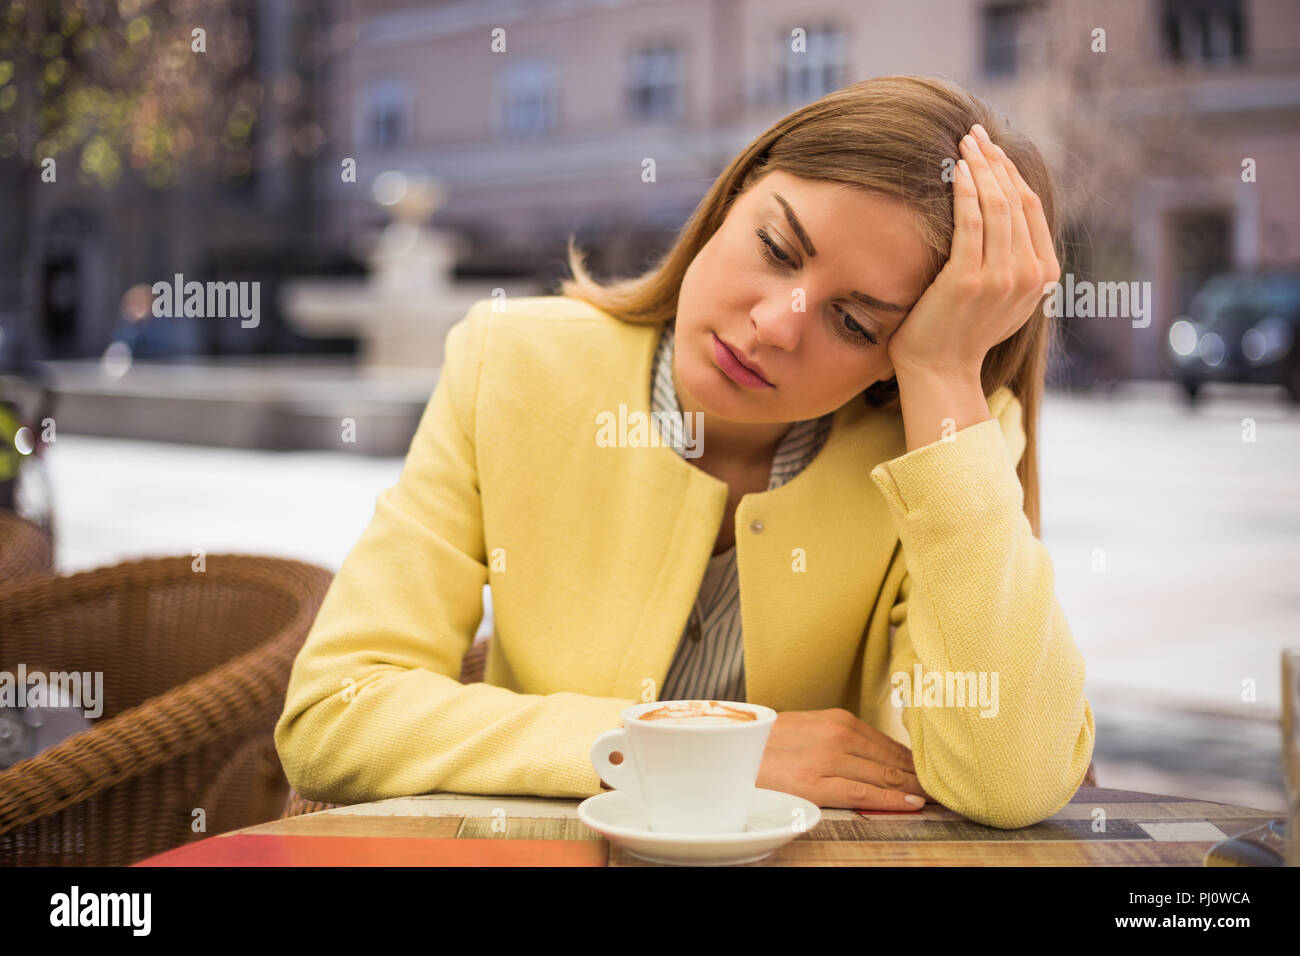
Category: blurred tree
[151,85]
[164,104]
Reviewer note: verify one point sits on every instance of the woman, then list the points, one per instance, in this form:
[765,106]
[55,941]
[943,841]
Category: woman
[854,317]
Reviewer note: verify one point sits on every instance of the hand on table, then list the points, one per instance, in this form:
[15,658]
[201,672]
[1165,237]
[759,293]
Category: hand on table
[834,759]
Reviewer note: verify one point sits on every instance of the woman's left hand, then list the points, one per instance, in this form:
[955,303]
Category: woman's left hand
[1001,259]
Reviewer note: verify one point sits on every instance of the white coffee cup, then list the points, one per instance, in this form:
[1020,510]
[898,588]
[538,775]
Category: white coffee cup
[693,774]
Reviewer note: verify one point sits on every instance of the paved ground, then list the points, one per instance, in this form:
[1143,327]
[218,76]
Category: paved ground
[1176,545]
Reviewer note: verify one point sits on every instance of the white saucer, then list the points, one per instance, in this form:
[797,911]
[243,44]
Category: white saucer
[772,822]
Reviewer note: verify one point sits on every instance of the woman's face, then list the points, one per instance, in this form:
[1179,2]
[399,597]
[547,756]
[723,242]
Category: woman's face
[850,259]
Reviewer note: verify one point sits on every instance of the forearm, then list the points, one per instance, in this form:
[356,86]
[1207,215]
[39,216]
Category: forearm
[403,731]
[981,607]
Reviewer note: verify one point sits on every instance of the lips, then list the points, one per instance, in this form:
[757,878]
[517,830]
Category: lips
[747,365]
[742,371]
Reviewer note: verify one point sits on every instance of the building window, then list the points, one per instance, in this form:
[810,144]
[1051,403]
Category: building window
[527,98]
[819,69]
[1203,31]
[388,114]
[1014,39]
[654,83]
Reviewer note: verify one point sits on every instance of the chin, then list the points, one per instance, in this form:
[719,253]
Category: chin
[722,403]
[709,393]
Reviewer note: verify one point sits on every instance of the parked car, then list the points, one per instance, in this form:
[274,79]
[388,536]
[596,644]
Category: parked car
[1240,328]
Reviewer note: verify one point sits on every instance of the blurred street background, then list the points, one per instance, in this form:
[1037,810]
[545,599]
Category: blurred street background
[356,175]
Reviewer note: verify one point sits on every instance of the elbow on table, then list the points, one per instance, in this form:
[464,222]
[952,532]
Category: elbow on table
[1029,792]
[313,767]
[1014,810]
[1034,795]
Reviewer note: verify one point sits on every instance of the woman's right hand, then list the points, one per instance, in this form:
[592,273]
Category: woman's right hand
[834,759]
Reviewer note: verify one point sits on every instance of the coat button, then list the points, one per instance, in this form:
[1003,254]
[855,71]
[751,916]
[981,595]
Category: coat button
[756,526]
[694,630]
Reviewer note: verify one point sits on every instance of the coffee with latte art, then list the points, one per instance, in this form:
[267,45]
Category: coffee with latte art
[699,712]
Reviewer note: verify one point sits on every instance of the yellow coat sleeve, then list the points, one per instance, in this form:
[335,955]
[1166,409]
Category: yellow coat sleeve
[374,708]
[978,598]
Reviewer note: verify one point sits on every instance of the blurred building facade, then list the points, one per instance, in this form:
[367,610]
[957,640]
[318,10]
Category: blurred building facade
[1147,124]
[537,117]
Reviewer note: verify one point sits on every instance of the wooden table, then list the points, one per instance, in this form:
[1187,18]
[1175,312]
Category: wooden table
[447,829]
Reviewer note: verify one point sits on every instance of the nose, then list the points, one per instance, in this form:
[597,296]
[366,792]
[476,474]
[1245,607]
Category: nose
[777,324]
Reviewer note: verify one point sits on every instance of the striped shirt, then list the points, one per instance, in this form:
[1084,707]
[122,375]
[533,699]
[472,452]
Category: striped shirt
[710,660]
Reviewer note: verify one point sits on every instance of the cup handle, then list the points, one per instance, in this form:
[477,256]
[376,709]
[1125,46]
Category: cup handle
[620,776]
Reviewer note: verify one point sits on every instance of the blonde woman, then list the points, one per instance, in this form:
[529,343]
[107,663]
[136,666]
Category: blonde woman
[850,333]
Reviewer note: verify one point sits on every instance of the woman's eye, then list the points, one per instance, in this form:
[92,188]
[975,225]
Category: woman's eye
[854,333]
[771,251]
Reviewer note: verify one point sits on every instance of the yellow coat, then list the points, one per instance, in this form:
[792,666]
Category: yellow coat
[595,555]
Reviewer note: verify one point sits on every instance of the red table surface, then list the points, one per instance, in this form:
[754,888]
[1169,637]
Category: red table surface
[254,849]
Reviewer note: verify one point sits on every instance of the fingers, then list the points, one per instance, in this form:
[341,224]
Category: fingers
[967,254]
[995,209]
[857,795]
[1023,263]
[873,744]
[1039,233]
[852,767]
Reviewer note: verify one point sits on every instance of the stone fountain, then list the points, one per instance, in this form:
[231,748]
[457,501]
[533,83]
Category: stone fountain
[401,312]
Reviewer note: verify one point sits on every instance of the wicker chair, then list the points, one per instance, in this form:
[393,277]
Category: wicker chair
[195,667]
[25,550]
[471,671]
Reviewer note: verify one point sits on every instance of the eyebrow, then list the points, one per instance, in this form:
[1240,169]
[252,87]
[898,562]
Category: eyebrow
[806,242]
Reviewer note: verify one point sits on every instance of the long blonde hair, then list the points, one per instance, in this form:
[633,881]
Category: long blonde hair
[890,135]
